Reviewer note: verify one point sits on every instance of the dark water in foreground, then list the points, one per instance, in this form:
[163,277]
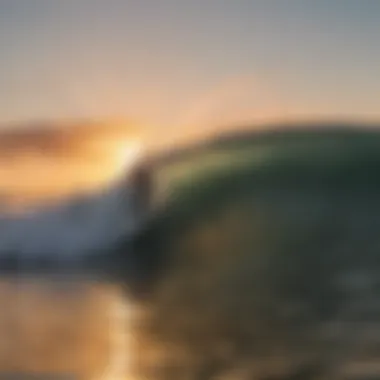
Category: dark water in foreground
[60,326]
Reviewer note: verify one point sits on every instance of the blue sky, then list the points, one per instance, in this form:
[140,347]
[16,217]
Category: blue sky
[178,62]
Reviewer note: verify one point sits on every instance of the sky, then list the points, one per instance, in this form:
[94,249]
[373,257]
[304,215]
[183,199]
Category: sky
[41,164]
[178,63]
[173,67]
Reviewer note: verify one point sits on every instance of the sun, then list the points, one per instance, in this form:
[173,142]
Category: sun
[126,154]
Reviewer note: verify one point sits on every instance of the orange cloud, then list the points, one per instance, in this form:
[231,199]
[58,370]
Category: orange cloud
[47,161]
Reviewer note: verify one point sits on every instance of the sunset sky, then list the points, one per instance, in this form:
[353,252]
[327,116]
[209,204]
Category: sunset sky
[179,62]
[177,66]
[42,163]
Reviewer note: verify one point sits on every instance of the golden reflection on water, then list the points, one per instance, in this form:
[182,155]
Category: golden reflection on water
[58,326]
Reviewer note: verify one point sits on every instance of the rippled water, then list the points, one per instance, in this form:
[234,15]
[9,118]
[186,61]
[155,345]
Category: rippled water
[61,325]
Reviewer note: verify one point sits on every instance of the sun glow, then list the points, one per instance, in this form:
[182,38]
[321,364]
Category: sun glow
[61,161]
[125,155]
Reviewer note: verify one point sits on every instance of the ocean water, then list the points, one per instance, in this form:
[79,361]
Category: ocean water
[62,327]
